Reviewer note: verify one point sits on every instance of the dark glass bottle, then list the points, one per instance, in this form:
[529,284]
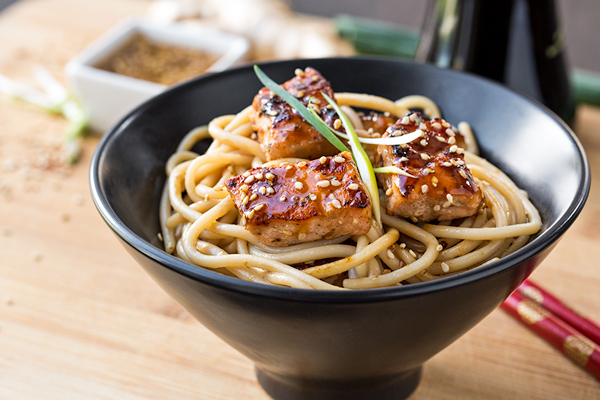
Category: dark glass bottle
[517,42]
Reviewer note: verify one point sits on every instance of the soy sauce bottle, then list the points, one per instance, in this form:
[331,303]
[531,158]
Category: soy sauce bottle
[516,42]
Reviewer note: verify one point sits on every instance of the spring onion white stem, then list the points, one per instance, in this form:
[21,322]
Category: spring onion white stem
[360,158]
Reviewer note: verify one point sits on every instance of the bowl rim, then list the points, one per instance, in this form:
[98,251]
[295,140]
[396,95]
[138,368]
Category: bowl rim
[544,240]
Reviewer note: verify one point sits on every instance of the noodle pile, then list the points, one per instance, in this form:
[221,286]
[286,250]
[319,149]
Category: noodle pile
[200,224]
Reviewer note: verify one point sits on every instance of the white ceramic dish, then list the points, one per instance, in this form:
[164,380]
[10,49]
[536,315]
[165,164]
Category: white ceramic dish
[107,96]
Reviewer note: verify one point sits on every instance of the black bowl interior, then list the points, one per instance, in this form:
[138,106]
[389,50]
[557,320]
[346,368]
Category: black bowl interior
[528,142]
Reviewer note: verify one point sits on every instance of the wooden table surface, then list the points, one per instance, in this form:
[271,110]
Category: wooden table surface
[80,320]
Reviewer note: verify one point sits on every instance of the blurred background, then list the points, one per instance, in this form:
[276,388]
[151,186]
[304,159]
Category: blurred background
[579,20]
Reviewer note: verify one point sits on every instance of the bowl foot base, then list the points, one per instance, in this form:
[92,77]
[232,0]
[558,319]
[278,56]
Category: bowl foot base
[397,387]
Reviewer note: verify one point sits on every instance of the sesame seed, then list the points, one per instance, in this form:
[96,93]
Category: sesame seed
[405,121]
[390,254]
[287,233]
[245,201]
[413,117]
[462,173]
[323,183]
[412,253]
[422,126]
[436,125]
[323,160]
[353,186]
[447,164]
[270,190]
[439,248]
[423,142]
[460,162]
[445,267]
[300,93]
[446,204]
[450,132]
[425,157]
[335,182]
[389,192]
[354,221]
[446,124]
[299,72]
[259,207]
[460,150]
[259,176]
[434,181]
[331,196]
[272,113]
[249,214]
[403,159]
[315,100]
[244,188]
[339,159]
[77,199]
[249,179]
[289,167]
[449,197]
[262,190]
[387,113]
[453,148]
[440,139]
[336,203]
[298,185]
[437,207]
[283,198]
[451,140]
[402,245]
[370,131]
[337,124]
[246,174]
[429,171]
[312,196]
[270,176]
[302,164]
[302,236]
[315,78]
[424,188]
[253,197]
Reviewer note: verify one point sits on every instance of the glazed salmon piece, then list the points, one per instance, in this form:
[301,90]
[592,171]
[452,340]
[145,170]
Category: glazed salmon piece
[295,203]
[442,186]
[282,132]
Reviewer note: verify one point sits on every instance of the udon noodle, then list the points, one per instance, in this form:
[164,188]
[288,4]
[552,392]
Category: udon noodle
[201,225]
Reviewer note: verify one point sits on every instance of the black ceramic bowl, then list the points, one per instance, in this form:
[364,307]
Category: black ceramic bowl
[340,345]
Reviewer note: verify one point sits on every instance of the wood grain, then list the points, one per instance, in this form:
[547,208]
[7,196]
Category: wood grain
[80,320]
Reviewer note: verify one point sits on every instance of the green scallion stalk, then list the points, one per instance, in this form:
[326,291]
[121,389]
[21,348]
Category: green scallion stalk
[392,170]
[360,158]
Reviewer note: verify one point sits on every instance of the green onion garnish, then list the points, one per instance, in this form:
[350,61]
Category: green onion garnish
[360,158]
[302,110]
[392,170]
[391,140]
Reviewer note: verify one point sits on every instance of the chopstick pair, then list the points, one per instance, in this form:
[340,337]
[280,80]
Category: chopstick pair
[575,336]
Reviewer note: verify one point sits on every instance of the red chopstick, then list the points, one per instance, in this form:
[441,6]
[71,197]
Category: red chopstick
[580,349]
[541,296]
